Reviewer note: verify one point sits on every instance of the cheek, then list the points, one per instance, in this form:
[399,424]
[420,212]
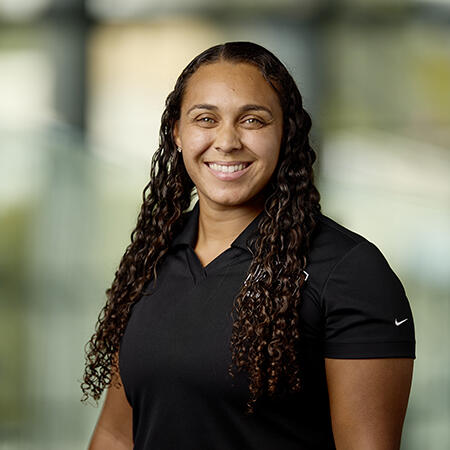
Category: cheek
[196,141]
[265,146]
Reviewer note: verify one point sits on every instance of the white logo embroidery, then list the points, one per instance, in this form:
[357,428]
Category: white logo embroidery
[401,321]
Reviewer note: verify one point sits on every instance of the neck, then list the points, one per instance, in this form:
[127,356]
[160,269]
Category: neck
[219,225]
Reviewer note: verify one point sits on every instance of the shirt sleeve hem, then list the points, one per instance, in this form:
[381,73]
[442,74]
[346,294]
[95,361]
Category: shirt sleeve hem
[362,350]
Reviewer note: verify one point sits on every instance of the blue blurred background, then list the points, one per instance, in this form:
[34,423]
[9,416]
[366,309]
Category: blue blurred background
[82,89]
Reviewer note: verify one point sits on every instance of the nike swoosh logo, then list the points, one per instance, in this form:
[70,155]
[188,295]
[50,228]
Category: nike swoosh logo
[401,321]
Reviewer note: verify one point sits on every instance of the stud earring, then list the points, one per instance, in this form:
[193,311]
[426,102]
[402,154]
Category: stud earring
[179,149]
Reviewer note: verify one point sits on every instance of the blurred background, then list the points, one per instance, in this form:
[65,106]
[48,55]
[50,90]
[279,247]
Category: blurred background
[82,89]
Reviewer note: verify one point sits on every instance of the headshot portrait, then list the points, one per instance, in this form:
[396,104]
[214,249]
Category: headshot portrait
[240,315]
[224,225]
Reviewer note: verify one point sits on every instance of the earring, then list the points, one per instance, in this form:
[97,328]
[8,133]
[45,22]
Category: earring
[179,149]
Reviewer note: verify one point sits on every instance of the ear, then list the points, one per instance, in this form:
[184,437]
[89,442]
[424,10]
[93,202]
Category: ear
[176,136]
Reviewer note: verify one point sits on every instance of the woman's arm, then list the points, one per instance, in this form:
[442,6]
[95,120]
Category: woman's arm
[368,400]
[114,427]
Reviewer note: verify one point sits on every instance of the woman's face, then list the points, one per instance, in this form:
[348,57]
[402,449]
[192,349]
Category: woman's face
[230,131]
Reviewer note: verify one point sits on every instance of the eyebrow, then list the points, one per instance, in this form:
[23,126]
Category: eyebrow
[244,108]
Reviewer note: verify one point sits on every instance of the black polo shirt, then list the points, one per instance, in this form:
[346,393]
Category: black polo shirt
[174,354]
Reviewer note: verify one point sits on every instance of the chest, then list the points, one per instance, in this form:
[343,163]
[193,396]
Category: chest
[178,335]
[179,332]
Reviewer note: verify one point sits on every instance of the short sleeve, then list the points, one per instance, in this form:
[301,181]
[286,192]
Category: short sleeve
[367,312]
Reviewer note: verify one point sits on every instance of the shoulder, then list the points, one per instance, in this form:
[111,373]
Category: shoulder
[334,236]
[359,300]
[331,243]
[344,265]
[336,248]
[342,255]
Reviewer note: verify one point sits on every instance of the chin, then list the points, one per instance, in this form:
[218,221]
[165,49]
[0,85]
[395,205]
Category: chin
[228,202]
[228,199]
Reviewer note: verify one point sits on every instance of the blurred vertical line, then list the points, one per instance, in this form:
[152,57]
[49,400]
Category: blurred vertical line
[321,82]
[70,26]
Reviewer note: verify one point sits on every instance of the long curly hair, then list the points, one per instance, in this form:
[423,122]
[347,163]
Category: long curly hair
[265,316]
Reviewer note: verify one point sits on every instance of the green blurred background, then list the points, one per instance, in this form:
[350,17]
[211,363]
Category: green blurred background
[82,89]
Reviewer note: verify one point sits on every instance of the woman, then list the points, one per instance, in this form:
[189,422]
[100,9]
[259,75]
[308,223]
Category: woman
[252,321]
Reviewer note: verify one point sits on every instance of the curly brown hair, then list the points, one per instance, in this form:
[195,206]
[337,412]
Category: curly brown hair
[265,312]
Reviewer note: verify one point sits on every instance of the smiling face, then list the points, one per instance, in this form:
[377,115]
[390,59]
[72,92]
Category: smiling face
[230,131]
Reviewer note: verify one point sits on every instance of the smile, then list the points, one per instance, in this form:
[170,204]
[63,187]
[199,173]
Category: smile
[229,171]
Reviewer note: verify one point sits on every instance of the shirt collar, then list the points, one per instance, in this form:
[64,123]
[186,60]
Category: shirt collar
[188,234]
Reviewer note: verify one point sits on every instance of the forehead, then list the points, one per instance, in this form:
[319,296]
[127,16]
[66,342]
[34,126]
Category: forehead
[223,82]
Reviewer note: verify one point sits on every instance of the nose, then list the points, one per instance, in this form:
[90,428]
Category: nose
[227,138]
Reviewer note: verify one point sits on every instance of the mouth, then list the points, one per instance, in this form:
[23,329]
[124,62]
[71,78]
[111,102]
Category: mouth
[227,171]
[229,166]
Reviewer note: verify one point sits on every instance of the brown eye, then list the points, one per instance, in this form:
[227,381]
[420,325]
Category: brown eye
[207,120]
[253,122]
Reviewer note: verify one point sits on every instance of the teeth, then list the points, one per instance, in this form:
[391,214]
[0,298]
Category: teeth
[227,169]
